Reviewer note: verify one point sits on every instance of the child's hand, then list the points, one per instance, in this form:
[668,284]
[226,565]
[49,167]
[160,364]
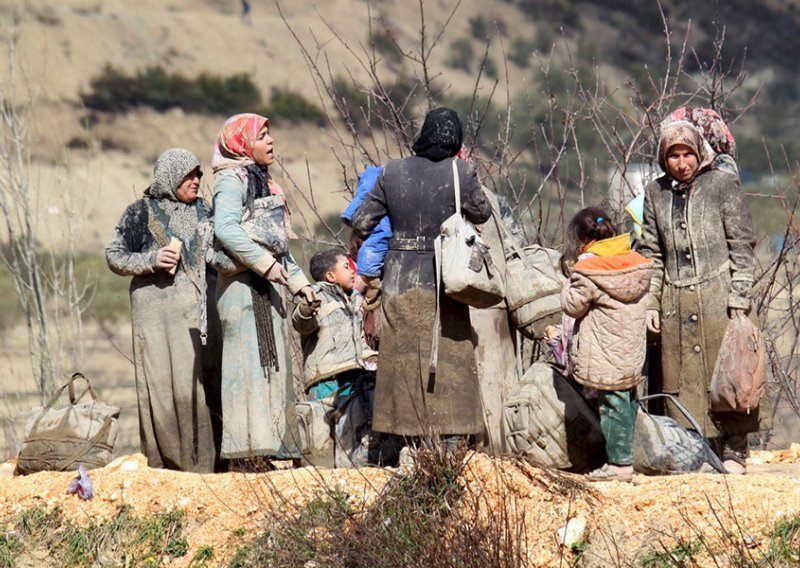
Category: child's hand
[653,321]
[309,302]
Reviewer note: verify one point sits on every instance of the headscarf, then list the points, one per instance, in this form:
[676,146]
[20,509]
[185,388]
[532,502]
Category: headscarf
[686,133]
[170,169]
[233,147]
[710,123]
[441,135]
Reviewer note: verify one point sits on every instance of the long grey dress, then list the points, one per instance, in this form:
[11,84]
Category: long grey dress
[417,195]
[172,366]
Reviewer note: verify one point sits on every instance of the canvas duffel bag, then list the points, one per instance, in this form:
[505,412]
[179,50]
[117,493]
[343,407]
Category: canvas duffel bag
[533,288]
[549,422]
[59,439]
[314,431]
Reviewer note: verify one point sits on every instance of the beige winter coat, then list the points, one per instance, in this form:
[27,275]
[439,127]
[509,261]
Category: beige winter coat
[607,295]
[333,338]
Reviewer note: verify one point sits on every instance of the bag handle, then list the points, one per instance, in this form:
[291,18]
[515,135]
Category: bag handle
[456,186]
[70,385]
[437,248]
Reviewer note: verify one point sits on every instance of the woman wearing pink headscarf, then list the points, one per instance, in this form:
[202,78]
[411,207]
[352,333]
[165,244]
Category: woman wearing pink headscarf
[698,231]
[251,224]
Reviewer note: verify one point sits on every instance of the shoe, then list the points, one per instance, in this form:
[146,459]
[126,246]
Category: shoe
[734,467]
[611,472]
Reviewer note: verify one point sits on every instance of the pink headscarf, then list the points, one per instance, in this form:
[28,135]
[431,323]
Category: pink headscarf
[233,147]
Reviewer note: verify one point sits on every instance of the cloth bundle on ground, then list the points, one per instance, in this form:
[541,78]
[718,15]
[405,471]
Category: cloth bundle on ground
[550,422]
[59,439]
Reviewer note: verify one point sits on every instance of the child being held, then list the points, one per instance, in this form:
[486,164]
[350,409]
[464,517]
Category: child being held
[336,356]
[607,294]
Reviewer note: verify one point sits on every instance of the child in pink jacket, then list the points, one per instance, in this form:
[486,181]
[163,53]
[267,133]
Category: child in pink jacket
[606,295]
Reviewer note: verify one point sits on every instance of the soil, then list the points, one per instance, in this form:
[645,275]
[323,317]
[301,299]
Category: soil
[623,520]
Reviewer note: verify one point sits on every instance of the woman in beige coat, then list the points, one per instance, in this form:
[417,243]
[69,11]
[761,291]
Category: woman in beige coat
[698,231]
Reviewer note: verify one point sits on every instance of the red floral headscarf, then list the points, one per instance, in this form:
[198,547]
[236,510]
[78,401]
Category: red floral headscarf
[710,123]
[233,147]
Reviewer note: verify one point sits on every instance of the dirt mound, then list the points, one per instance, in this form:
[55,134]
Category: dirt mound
[623,521]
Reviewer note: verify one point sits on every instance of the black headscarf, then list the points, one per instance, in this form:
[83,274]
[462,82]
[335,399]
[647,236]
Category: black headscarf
[441,135]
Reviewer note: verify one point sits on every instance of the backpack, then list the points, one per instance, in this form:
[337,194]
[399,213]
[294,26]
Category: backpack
[549,422]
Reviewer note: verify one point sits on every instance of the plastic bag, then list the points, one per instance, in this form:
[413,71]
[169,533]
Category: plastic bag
[739,378]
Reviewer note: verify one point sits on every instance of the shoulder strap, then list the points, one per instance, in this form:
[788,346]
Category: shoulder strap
[456,186]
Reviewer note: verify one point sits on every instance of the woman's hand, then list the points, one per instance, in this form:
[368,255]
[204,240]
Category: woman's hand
[310,298]
[166,258]
[653,321]
[733,312]
[277,274]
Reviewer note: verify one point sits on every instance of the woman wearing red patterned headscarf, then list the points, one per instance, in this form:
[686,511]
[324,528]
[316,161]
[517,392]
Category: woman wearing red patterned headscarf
[252,226]
[715,132]
[698,231]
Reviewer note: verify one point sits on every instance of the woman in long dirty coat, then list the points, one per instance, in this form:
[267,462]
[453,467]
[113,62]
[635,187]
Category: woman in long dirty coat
[417,193]
[698,231]
[169,314]
[257,390]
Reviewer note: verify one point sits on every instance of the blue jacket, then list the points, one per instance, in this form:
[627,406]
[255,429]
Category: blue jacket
[373,251]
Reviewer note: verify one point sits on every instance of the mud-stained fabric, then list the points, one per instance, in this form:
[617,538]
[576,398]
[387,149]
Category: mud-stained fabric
[617,421]
[493,334]
[701,242]
[257,402]
[175,373]
[685,133]
[417,195]
[170,169]
[441,135]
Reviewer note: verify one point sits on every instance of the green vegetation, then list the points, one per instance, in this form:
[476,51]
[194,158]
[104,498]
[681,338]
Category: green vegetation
[114,91]
[124,539]
[784,546]
[107,293]
[683,554]
[293,107]
[385,44]
[154,87]
[461,56]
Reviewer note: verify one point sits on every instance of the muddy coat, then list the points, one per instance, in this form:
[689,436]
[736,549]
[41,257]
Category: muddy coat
[333,338]
[607,296]
[417,195]
[701,242]
[173,368]
[493,334]
[257,402]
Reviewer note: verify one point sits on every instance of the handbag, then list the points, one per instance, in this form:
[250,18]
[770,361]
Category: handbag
[61,438]
[533,289]
[739,378]
[467,272]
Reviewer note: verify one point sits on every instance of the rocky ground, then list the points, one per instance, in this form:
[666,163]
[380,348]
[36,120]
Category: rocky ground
[609,523]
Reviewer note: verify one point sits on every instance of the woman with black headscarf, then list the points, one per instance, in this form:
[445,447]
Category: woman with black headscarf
[417,193]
